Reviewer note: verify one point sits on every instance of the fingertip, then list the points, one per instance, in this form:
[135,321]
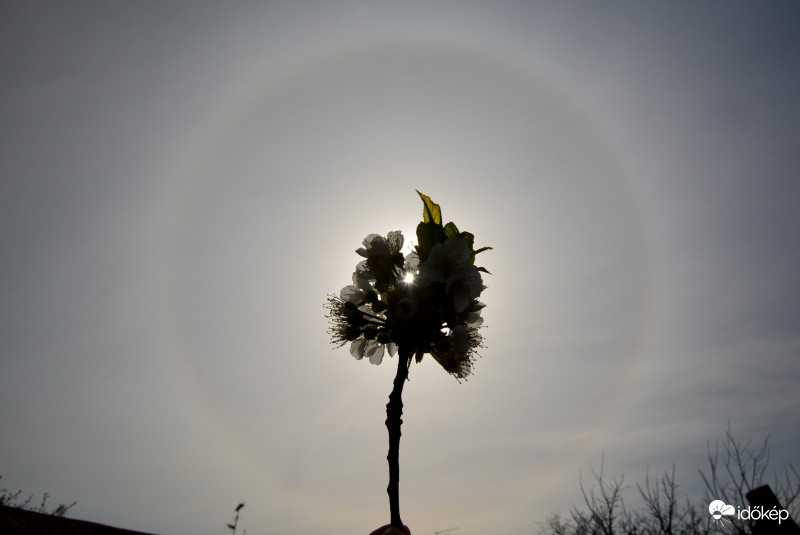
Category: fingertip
[388,529]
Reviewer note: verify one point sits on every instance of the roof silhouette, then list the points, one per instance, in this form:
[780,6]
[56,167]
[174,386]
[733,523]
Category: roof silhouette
[16,521]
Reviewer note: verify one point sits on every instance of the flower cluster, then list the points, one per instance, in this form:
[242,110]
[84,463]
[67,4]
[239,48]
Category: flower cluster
[423,302]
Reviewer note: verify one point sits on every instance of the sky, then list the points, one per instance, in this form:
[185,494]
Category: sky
[183,183]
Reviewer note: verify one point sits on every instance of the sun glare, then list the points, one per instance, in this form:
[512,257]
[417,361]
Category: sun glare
[410,240]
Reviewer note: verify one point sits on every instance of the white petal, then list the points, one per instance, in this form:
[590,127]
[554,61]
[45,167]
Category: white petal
[395,239]
[457,250]
[379,245]
[357,348]
[412,262]
[436,255]
[374,351]
[363,270]
[474,281]
[475,319]
[460,301]
[352,294]
[361,279]
[392,347]
[368,240]
[433,268]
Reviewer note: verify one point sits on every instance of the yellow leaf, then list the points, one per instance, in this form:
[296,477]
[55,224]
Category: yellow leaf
[432,211]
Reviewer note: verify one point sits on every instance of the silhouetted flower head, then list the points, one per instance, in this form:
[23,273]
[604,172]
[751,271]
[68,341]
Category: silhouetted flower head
[425,301]
[449,263]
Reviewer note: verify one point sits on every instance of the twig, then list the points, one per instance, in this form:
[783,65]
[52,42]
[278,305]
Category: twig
[394,412]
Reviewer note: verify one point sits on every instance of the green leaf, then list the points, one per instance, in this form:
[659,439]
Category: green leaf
[425,236]
[469,238]
[450,230]
[482,249]
[428,235]
[484,270]
[431,211]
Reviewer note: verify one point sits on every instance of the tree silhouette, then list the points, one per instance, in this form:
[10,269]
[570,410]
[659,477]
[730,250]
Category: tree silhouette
[735,470]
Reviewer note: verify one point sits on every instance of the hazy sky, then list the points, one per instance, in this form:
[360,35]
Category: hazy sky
[184,182]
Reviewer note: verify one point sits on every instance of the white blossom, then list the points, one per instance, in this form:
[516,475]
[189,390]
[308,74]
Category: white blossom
[400,302]
[374,244]
[449,263]
[367,348]
[352,294]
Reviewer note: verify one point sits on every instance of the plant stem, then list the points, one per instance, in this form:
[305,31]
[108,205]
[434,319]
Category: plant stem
[394,411]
